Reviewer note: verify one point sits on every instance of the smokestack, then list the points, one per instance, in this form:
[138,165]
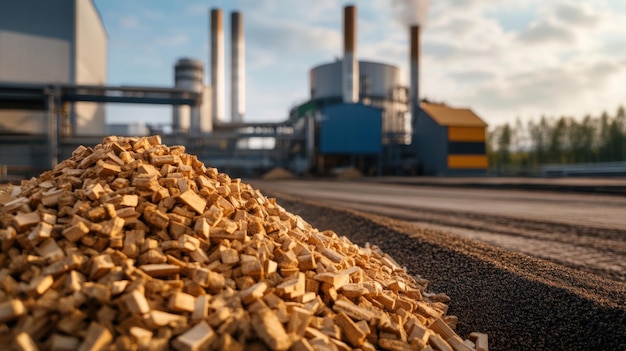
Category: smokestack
[350,64]
[217,66]
[414,67]
[238,68]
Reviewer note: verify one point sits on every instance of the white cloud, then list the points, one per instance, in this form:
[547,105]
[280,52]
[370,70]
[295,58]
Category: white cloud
[129,22]
[548,32]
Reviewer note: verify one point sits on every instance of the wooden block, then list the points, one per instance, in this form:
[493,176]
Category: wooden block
[336,279]
[60,342]
[458,345]
[100,265]
[350,330]
[201,308]
[136,302]
[160,319]
[106,169]
[294,287]
[160,269]
[94,191]
[200,336]
[393,345]
[481,341]
[97,338]
[96,291]
[75,232]
[24,221]
[440,327]
[299,319]
[202,227]
[181,302]
[160,160]
[142,336]
[229,256]
[352,310]
[24,342]
[120,183]
[253,293]
[51,197]
[40,285]
[269,329]
[194,201]
[49,250]
[129,201]
[438,343]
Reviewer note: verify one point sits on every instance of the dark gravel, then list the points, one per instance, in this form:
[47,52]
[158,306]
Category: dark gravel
[522,303]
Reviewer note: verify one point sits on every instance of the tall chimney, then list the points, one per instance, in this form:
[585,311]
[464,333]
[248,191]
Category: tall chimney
[237,68]
[415,68]
[217,66]
[350,64]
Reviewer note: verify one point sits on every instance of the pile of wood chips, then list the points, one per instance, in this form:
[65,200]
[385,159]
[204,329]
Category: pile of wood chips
[134,245]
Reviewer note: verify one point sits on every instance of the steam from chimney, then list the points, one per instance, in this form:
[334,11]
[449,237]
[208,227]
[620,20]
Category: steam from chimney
[411,12]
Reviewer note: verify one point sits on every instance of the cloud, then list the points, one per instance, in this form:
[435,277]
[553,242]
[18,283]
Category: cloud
[577,14]
[547,32]
[129,22]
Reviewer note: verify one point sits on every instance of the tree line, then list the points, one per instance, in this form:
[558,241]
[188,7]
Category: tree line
[522,148]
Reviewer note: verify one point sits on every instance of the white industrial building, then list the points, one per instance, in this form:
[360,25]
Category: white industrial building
[53,42]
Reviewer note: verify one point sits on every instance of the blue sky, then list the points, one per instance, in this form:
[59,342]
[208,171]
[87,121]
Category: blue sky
[503,59]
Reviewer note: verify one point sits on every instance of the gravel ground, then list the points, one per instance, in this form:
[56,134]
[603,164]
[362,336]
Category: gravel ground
[521,302]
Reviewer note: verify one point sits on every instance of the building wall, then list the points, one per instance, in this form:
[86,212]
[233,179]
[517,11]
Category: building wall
[32,50]
[431,145]
[61,41]
[467,150]
[91,66]
[352,129]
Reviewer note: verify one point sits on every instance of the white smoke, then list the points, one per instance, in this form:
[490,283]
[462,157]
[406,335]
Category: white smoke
[411,12]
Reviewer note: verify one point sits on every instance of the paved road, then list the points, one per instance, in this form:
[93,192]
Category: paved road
[582,231]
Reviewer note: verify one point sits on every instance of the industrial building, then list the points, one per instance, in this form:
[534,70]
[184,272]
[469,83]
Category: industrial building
[358,114]
[59,42]
[450,141]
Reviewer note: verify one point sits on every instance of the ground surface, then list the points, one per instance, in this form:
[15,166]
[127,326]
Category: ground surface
[583,231]
[546,274]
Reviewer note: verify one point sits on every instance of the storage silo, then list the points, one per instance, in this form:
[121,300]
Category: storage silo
[188,75]
[379,86]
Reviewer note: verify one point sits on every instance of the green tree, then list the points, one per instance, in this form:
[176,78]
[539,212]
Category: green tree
[556,145]
[504,146]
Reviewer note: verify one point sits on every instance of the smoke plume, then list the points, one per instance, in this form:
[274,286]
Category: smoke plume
[411,12]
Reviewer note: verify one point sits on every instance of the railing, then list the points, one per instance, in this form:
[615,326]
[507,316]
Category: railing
[584,169]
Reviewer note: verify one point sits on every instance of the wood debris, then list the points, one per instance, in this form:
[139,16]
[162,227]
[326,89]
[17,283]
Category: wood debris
[136,245]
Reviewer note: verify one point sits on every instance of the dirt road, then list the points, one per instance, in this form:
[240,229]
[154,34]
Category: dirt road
[582,231]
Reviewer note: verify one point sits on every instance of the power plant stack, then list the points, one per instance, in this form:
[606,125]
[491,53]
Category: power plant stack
[217,67]
[414,64]
[350,65]
[238,69]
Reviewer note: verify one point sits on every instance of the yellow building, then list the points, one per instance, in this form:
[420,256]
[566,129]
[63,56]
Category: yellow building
[450,141]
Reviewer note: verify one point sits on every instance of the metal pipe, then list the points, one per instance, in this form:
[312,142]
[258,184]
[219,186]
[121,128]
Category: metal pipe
[350,64]
[217,66]
[238,69]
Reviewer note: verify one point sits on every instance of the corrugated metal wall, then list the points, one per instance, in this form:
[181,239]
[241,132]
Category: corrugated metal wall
[350,129]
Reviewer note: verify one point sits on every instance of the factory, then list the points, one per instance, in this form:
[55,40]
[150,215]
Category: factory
[358,113]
